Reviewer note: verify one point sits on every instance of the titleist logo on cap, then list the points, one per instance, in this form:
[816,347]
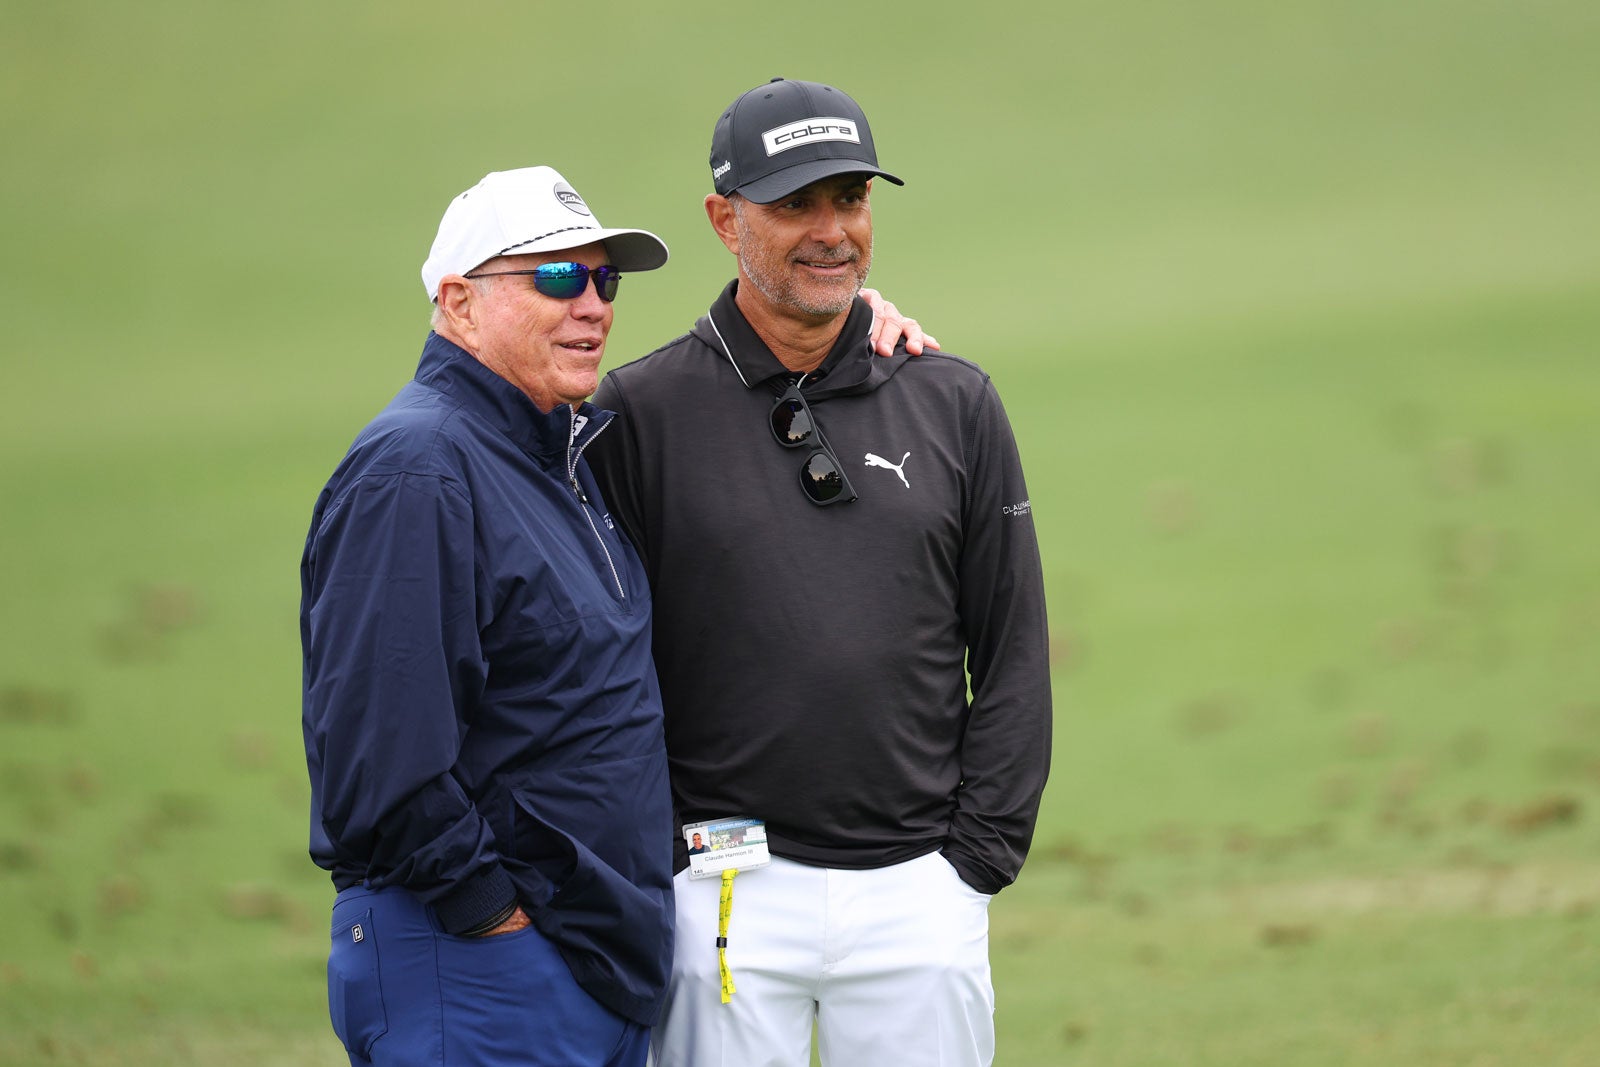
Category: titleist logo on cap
[568,198]
[807,131]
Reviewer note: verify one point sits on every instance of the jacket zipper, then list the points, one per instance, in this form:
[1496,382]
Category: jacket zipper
[583,501]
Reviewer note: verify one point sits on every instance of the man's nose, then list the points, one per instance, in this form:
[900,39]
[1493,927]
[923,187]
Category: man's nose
[825,225]
[587,304]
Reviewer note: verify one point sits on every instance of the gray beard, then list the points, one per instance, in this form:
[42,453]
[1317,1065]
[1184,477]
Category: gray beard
[780,293]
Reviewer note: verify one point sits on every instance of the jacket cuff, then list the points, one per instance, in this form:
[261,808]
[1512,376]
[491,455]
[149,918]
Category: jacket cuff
[479,898]
[971,871]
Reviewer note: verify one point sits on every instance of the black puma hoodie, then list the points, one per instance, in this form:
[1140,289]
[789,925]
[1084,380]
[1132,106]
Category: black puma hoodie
[816,662]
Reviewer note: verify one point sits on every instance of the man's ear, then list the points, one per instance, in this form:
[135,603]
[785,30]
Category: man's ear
[720,211]
[458,307]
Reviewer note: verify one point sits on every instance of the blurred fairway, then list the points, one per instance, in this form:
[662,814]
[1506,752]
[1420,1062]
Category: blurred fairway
[1296,310]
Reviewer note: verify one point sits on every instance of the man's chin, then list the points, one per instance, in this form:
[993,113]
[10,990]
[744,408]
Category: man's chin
[828,300]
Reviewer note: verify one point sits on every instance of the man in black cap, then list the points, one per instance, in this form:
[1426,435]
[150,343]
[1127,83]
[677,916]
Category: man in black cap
[841,548]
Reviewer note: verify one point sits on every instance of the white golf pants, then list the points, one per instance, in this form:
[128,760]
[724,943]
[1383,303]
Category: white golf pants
[891,964]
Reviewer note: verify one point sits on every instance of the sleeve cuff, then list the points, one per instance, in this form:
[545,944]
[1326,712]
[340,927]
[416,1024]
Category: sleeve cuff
[972,872]
[482,896]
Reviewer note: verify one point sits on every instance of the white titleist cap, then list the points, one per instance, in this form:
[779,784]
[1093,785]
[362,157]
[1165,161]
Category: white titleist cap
[512,212]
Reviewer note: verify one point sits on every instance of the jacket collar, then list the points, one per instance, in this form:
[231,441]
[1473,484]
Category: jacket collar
[455,372]
[850,367]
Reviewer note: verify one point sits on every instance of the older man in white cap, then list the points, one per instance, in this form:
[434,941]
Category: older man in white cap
[482,722]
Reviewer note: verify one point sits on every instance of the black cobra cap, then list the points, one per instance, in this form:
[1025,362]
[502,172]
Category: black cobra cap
[784,135]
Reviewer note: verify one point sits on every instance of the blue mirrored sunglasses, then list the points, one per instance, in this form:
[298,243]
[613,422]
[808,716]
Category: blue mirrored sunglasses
[566,281]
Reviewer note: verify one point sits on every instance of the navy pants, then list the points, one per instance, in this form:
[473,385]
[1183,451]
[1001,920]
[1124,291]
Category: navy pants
[403,993]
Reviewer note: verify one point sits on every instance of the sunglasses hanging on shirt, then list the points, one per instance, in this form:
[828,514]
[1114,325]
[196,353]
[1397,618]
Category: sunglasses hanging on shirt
[822,476]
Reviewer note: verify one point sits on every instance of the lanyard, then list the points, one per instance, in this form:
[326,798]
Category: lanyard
[725,909]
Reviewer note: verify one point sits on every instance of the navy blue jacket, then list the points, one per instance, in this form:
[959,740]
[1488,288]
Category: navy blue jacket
[482,720]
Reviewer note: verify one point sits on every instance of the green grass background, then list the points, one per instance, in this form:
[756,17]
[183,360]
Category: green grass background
[1295,307]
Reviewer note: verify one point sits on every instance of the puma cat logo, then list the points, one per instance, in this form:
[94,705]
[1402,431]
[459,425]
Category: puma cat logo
[898,468]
